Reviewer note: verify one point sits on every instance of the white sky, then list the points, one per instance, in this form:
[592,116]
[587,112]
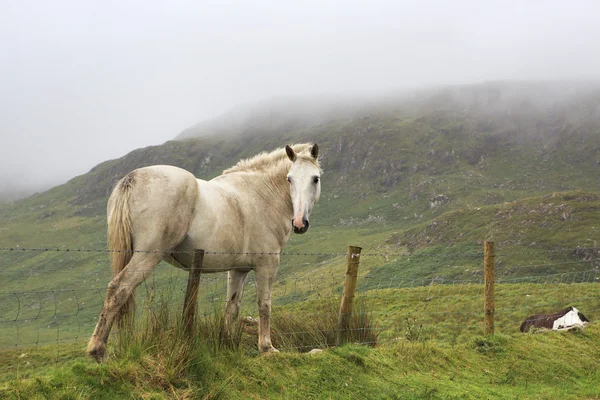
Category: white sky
[85,81]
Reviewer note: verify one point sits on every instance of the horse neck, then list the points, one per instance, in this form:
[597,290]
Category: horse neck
[272,188]
[277,191]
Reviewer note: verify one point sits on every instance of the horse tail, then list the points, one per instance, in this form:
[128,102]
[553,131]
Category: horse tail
[119,234]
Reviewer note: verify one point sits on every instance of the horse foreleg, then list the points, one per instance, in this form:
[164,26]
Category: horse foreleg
[235,291]
[265,276]
[119,290]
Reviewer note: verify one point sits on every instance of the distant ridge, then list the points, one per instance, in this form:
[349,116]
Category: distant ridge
[497,99]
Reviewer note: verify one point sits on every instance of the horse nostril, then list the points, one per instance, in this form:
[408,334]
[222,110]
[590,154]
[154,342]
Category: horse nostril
[305,222]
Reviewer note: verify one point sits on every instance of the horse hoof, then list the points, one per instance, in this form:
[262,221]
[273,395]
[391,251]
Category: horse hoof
[98,353]
[269,350]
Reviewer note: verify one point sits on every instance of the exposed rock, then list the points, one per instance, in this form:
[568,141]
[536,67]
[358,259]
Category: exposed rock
[46,215]
[438,200]
[565,216]
[587,254]
[206,161]
[250,320]
[358,221]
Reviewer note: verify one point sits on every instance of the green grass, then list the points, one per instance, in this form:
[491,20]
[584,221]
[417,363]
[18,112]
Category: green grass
[430,346]
[532,366]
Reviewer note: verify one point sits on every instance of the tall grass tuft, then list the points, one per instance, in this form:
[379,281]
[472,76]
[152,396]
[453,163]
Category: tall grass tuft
[305,331]
[159,344]
[159,332]
[158,353]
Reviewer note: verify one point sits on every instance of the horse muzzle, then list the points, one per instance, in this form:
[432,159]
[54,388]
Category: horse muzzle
[300,226]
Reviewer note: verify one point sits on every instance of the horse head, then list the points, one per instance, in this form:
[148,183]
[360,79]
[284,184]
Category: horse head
[305,185]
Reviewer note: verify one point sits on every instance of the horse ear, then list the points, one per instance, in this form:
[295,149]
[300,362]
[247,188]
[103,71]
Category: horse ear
[314,151]
[290,153]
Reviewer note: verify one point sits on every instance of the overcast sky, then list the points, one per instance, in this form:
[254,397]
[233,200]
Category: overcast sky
[85,81]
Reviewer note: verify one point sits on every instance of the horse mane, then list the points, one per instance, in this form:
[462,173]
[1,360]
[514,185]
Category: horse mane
[267,160]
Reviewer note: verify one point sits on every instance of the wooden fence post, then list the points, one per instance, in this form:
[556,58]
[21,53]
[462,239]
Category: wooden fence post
[191,293]
[348,294]
[488,282]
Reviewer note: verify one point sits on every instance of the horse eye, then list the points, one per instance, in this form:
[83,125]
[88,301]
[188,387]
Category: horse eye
[316,179]
[289,179]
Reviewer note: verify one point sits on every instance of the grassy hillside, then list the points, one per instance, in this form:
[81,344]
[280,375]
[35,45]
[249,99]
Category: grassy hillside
[431,174]
[419,181]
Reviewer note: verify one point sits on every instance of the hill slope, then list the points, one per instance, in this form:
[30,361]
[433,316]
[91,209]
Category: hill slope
[418,180]
[394,164]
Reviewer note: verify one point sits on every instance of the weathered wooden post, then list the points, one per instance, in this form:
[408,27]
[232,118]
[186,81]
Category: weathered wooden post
[348,294]
[488,282]
[191,293]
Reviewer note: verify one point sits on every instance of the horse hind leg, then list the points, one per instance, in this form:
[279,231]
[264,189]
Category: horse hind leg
[119,290]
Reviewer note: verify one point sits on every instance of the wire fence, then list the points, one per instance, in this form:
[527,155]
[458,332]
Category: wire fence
[50,299]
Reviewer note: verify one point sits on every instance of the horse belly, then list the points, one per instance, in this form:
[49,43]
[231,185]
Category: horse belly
[216,230]
[216,259]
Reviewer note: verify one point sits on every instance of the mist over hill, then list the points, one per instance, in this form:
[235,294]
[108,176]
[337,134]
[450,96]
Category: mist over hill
[11,191]
[274,115]
[510,104]
[543,112]
[386,142]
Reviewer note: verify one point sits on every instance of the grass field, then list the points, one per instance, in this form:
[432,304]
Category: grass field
[542,366]
[423,302]
[430,346]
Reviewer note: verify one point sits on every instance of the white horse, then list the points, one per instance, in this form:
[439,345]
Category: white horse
[250,209]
